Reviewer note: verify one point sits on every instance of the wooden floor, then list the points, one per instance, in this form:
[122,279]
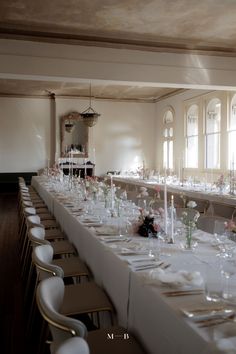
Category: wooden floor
[12,323]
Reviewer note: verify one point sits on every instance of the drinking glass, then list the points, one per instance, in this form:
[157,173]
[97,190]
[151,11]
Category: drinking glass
[228,271]
[213,281]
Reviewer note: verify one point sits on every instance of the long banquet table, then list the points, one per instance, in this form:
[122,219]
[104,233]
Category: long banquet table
[141,307]
[190,191]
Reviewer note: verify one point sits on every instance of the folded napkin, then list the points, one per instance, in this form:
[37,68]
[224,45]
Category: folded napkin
[175,279]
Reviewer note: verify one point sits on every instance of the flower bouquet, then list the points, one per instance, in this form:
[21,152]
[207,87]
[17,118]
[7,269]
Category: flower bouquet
[189,219]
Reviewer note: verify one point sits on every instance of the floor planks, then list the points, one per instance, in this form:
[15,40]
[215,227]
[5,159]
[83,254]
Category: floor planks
[11,316]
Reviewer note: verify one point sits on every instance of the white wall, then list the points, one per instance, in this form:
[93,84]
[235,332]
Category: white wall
[24,134]
[123,137]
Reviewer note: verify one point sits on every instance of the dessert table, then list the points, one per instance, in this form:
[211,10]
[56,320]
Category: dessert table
[137,294]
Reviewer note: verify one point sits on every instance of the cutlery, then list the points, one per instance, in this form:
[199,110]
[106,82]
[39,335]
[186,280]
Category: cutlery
[183,292]
[165,266]
[211,315]
[143,267]
[216,321]
[146,259]
[202,310]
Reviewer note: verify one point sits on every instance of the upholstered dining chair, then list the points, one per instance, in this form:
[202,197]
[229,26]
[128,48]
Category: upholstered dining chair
[92,299]
[51,233]
[207,223]
[86,299]
[50,297]
[224,210]
[73,345]
[62,247]
[36,236]
[71,268]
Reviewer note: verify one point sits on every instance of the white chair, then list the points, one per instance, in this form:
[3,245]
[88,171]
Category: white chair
[82,298]
[62,247]
[74,345]
[50,295]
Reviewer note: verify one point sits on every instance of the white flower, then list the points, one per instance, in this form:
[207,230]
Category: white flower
[191,204]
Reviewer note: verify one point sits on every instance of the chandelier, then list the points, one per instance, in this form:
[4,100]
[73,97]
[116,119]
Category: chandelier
[89,116]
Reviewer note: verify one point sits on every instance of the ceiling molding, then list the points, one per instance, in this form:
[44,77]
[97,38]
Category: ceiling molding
[9,32]
[111,99]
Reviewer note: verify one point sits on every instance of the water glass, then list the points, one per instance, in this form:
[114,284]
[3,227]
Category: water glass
[213,282]
[228,271]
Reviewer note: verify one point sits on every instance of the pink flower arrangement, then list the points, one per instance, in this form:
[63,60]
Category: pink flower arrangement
[230,226]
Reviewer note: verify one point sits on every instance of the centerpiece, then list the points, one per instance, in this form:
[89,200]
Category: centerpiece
[189,219]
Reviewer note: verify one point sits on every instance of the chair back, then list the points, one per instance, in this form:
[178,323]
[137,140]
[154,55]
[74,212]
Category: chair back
[75,345]
[209,223]
[34,220]
[49,297]
[37,236]
[29,211]
[42,258]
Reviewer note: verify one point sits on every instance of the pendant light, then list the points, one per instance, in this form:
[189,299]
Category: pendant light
[89,116]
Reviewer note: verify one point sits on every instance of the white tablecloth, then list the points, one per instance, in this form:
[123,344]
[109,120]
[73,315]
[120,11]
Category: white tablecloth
[155,319]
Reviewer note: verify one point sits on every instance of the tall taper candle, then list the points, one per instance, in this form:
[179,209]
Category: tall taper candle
[165,207]
[172,219]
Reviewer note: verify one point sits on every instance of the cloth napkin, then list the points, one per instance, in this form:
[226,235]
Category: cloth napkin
[175,279]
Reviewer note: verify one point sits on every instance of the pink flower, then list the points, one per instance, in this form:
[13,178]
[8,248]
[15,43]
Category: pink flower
[157,227]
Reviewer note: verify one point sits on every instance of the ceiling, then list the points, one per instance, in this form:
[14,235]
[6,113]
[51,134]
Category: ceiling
[22,88]
[204,26]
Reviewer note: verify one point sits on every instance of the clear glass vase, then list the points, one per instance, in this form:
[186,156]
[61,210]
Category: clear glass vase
[188,235]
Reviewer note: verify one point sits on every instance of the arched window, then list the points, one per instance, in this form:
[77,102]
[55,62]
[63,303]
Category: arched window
[232,135]
[191,140]
[168,134]
[212,134]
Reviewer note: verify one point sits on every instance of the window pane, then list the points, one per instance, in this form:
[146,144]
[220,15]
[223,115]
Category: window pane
[168,117]
[171,132]
[213,151]
[233,117]
[165,133]
[232,150]
[213,116]
[165,154]
[192,152]
[192,120]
